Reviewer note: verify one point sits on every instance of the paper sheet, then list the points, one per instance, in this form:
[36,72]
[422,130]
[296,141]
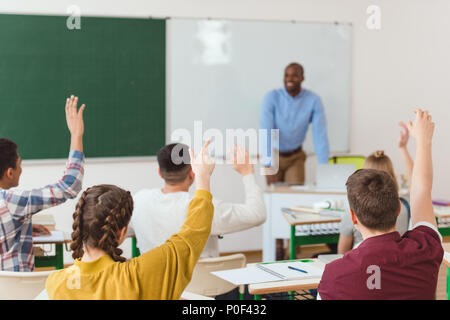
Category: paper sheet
[56,236]
[246,275]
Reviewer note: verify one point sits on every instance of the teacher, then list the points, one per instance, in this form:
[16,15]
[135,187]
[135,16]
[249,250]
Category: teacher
[290,110]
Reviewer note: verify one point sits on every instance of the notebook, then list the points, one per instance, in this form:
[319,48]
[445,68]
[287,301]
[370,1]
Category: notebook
[292,270]
[268,272]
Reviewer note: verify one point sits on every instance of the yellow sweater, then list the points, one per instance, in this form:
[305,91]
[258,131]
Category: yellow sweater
[161,273]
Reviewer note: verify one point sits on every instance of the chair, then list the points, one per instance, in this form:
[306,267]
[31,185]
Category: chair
[22,285]
[206,284]
[358,161]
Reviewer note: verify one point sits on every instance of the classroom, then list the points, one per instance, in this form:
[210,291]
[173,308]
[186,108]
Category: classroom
[294,97]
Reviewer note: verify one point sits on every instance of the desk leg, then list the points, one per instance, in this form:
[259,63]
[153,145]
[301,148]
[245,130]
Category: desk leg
[59,253]
[292,244]
[292,254]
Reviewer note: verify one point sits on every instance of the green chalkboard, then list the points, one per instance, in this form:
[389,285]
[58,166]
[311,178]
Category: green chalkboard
[115,66]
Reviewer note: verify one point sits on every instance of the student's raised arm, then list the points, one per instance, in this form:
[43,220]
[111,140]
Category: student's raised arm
[233,217]
[422,174]
[22,204]
[165,271]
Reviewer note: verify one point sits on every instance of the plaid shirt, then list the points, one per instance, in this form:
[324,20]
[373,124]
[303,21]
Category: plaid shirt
[17,207]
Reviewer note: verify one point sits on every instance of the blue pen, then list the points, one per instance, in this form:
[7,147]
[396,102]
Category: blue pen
[292,268]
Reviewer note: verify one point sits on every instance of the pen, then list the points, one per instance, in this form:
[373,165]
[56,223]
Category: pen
[292,268]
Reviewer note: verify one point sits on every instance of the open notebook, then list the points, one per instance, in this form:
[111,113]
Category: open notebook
[267,272]
[292,270]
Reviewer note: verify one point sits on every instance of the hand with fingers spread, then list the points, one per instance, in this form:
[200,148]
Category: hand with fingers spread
[240,160]
[75,123]
[422,128]
[202,166]
[404,135]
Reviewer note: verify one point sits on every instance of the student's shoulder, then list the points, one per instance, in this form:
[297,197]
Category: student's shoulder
[58,278]
[145,193]
[424,231]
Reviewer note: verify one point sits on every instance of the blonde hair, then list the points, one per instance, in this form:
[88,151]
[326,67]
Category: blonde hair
[379,161]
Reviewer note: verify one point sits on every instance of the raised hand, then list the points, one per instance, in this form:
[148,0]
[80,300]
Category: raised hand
[202,166]
[404,135]
[74,117]
[422,128]
[240,160]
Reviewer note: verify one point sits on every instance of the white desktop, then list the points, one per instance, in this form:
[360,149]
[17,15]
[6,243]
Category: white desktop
[329,187]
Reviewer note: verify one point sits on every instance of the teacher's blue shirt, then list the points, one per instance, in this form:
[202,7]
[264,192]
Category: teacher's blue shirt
[292,116]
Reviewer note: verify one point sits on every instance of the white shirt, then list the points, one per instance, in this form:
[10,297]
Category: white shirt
[157,215]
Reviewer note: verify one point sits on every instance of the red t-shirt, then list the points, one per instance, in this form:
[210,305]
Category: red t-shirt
[387,266]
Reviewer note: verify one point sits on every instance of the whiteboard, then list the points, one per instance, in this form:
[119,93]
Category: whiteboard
[218,72]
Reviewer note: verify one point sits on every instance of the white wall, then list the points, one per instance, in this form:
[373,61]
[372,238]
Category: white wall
[396,69]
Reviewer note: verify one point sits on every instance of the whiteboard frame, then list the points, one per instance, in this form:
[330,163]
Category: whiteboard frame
[293,21]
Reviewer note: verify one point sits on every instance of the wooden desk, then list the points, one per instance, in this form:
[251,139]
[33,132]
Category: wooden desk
[258,289]
[56,260]
[285,197]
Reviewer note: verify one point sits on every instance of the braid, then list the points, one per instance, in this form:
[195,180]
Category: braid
[113,221]
[77,240]
[101,212]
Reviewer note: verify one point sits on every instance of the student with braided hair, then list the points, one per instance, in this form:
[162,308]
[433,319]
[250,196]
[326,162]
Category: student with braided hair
[100,225]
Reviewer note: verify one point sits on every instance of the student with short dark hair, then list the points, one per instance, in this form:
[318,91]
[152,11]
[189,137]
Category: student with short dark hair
[386,265]
[158,213]
[349,236]
[18,206]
